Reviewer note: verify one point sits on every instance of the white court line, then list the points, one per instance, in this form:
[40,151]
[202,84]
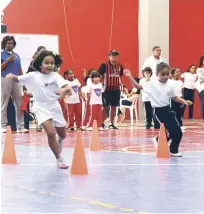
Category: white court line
[128,164]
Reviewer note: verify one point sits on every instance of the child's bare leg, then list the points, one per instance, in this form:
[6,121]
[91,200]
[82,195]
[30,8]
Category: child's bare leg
[51,135]
[61,136]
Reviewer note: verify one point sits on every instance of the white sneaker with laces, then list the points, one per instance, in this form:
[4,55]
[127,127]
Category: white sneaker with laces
[61,163]
[176,154]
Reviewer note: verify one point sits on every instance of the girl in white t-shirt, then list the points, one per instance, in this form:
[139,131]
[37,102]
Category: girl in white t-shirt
[95,92]
[74,105]
[147,73]
[200,84]
[46,85]
[87,110]
[178,84]
[189,87]
[160,91]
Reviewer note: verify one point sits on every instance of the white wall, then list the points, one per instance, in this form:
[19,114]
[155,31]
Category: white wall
[153,30]
[27,44]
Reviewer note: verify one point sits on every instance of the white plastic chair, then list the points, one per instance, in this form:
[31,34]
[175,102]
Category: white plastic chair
[132,108]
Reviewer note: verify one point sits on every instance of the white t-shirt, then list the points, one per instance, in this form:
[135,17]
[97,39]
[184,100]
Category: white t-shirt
[95,90]
[178,86]
[152,62]
[159,93]
[200,82]
[189,80]
[145,96]
[43,88]
[74,98]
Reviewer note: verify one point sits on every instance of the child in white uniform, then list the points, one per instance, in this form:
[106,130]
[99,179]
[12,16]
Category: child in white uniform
[95,89]
[46,86]
[160,91]
[189,87]
[178,84]
[200,84]
[74,105]
[147,73]
[87,110]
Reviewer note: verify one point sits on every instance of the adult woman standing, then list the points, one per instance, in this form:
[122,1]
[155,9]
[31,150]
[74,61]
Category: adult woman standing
[10,63]
[200,84]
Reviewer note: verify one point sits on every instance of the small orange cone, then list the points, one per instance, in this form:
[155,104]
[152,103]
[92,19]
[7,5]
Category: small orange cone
[163,148]
[9,154]
[95,140]
[79,165]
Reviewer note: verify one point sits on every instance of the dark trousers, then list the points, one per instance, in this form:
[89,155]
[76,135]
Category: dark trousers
[201,95]
[167,116]
[178,109]
[148,112]
[188,94]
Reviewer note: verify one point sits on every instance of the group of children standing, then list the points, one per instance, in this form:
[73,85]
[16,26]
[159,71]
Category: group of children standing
[92,96]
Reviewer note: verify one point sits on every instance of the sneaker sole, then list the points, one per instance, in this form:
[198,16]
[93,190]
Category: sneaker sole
[63,167]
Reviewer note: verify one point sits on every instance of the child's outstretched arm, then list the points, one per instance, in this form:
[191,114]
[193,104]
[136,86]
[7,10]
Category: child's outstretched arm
[182,101]
[129,75]
[12,77]
[66,89]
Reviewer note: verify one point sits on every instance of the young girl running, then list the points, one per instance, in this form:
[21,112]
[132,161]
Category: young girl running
[189,87]
[160,91]
[46,86]
[178,84]
[95,90]
[74,105]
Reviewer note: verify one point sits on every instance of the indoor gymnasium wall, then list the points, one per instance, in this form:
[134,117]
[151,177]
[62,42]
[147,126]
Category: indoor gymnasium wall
[186,36]
[93,27]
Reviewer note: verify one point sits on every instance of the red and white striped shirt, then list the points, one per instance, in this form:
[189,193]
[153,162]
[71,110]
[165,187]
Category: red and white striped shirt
[112,75]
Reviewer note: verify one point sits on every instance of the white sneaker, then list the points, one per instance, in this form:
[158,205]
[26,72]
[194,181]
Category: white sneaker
[61,163]
[155,141]
[101,129]
[3,130]
[83,128]
[22,131]
[176,154]
[89,129]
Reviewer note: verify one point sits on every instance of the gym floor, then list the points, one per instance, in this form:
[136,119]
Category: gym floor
[124,177]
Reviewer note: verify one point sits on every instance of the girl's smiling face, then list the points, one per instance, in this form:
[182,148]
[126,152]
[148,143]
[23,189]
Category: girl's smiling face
[48,65]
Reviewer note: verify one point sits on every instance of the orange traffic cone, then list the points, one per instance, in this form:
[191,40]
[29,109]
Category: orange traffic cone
[79,165]
[95,140]
[9,154]
[163,148]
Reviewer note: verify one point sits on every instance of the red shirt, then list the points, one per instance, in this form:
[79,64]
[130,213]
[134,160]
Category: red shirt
[111,74]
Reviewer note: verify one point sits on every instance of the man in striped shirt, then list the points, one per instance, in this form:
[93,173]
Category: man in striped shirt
[111,71]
